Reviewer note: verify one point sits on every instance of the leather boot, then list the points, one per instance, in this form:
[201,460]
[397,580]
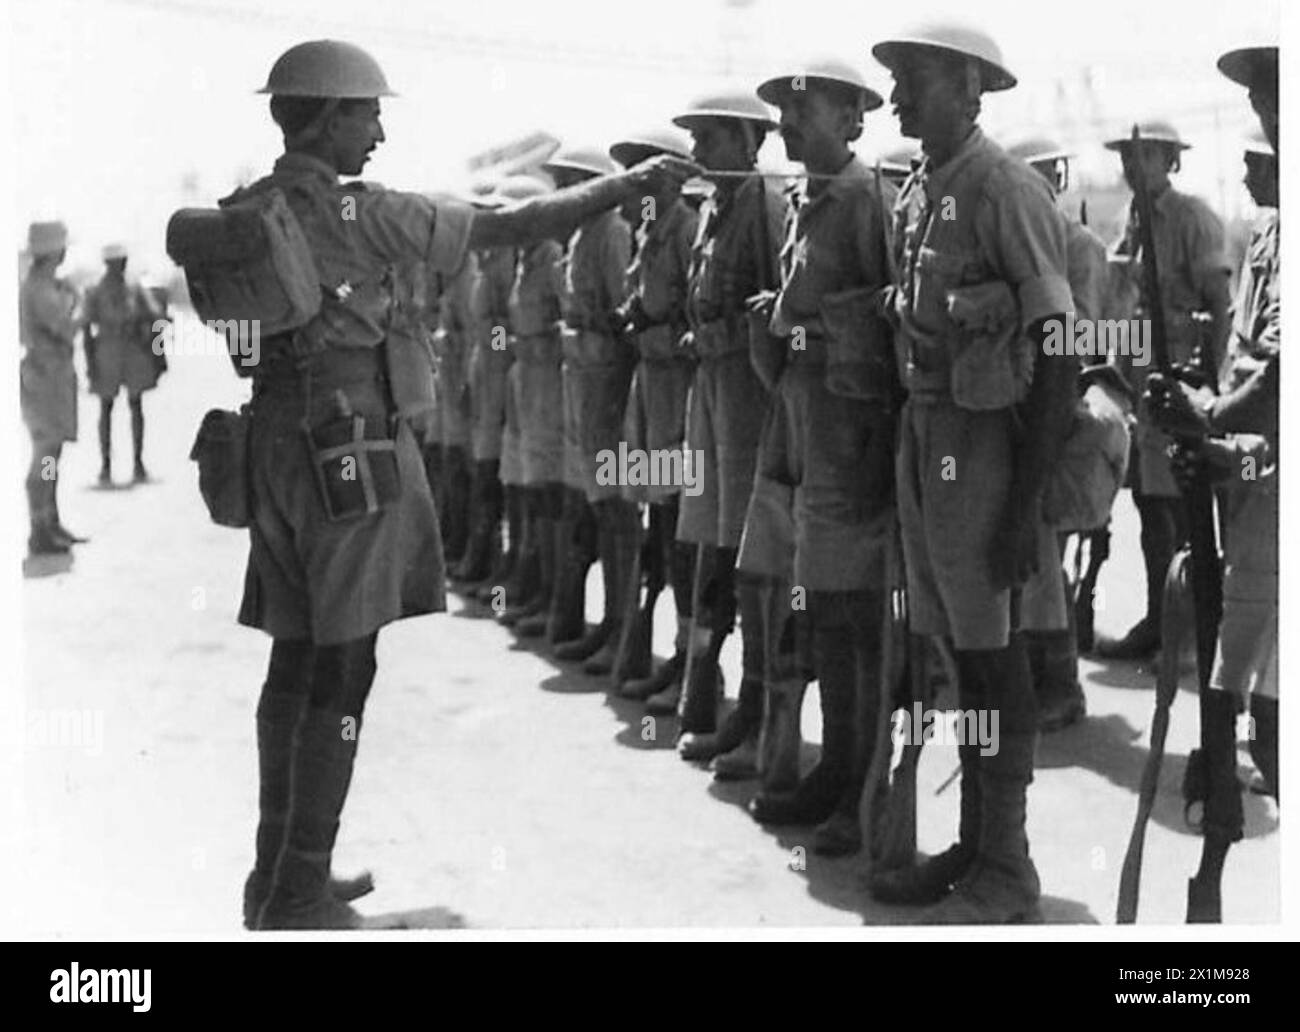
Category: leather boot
[668,678]
[735,756]
[277,723]
[617,568]
[539,601]
[321,773]
[1054,665]
[815,797]
[567,619]
[741,723]
[1001,885]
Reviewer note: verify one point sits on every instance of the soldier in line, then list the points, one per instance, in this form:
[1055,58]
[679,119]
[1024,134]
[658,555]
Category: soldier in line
[47,323]
[596,522]
[826,461]
[532,448]
[982,270]
[1194,287]
[324,575]
[1238,434]
[654,316]
[118,335]
[1054,652]
[489,363]
[733,258]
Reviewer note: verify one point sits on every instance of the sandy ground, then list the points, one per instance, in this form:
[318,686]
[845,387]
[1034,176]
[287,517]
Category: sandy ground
[494,789]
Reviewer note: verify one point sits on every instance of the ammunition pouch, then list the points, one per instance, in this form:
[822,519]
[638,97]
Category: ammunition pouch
[991,361]
[859,347]
[221,451]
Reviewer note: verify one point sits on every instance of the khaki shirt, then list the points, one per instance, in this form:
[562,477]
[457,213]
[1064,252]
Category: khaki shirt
[47,316]
[1257,310]
[734,257]
[595,272]
[658,276]
[1086,259]
[357,233]
[535,298]
[120,311]
[981,218]
[1193,269]
[834,241]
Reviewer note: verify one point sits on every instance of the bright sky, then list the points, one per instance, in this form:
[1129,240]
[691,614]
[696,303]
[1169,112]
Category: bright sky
[115,102]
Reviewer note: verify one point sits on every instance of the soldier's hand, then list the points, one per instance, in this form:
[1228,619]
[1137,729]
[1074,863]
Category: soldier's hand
[686,345]
[1204,458]
[664,170]
[1014,555]
[1177,408]
[762,303]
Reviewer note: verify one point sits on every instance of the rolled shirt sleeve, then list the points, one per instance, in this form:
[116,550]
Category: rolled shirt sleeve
[405,227]
[1025,235]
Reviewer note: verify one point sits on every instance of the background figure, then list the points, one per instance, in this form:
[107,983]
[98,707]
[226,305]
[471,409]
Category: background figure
[118,336]
[47,321]
[1194,292]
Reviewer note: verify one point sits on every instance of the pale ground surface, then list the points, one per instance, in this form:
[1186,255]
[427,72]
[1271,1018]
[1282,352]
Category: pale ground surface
[490,784]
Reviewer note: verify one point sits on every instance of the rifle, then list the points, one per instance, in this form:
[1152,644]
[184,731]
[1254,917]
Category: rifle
[1211,773]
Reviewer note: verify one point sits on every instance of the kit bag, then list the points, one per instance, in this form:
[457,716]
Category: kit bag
[247,262]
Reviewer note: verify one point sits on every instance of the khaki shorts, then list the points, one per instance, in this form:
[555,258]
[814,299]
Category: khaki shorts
[329,582]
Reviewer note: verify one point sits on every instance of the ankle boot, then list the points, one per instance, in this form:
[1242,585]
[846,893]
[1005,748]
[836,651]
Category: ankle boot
[737,756]
[741,723]
[277,722]
[320,774]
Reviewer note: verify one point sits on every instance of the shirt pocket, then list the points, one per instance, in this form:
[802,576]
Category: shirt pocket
[937,273]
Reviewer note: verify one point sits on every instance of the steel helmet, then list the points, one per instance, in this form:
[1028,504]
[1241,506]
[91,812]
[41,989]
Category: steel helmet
[1245,65]
[591,160]
[327,68]
[952,38]
[519,188]
[739,105]
[46,238]
[1033,149]
[636,148]
[820,70]
[112,252]
[1150,129]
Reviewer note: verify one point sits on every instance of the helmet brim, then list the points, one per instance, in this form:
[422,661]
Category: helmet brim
[774,90]
[704,116]
[893,52]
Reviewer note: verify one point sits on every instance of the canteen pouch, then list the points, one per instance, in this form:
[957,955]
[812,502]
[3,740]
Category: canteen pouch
[860,361]
[354,460]
[1094,458]
[247,262]
[221,451]
[991,366]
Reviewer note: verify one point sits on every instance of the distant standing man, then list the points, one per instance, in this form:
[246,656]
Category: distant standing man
[47,325]
[1194,292]
[119,331]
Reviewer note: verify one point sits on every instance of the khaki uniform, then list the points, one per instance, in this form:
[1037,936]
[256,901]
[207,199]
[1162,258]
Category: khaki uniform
[310,578]
[597,366]
[999,265]
[656,407]
[120,315]
[1246,661]
[452,346]
[47,326]
[535,415]
[728,403]
[826,458]
[1190,247]
[490,355]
